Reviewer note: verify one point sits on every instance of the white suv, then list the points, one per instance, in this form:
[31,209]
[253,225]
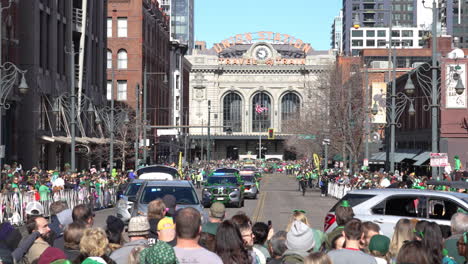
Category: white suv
[386,206]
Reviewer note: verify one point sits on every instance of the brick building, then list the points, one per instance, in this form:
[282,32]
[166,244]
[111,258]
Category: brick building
[138,41]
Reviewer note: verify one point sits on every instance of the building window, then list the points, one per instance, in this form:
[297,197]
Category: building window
[381,43]
[357,33]
[370,43]
[109,59]
[290,106]
[109,27]
[395,33]
[122,59]
[109,90]
[407,33]
[261,109]
[357,43]
[122,27]
[121,90]
[381,33]
[370,33]
[232,112]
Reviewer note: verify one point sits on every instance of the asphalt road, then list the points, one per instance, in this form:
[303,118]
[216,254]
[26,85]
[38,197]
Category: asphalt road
[277,199]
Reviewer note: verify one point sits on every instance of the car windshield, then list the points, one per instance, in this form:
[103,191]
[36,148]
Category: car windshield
[353,199]
[248,178]
[132,189]
[249,169]
[183,195]
[222,180]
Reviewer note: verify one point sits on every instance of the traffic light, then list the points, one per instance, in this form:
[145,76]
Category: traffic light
[271,133]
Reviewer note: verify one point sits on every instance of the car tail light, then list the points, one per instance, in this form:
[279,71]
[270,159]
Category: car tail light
[247,188]
[329,221]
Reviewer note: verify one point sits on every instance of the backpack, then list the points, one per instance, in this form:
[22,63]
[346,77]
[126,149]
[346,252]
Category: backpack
[293,259]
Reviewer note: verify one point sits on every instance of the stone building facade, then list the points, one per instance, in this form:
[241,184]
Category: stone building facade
[252,86]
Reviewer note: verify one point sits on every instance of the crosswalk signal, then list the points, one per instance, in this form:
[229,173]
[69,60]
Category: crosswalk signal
[271,133]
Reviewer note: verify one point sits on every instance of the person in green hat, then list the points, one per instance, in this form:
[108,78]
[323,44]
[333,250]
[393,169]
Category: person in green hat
[343,213]
[159,253]
[378,247]
[457,163]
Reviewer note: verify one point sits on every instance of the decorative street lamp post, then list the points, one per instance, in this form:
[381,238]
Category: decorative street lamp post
[9,73]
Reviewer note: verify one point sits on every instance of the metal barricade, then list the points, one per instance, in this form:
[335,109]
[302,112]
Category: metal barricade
[338,190]
[13,204]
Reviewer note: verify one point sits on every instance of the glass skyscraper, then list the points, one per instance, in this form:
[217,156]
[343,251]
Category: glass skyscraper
[182,21]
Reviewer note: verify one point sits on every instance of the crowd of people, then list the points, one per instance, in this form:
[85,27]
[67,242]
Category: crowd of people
[169,236]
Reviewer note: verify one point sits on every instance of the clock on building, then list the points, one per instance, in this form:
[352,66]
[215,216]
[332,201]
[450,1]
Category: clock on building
[262,53]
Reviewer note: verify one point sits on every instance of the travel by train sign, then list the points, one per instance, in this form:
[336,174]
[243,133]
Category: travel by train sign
[273,37]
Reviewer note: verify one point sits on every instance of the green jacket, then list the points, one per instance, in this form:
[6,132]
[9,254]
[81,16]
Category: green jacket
[44,192]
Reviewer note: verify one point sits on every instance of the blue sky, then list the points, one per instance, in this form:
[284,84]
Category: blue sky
[309,20]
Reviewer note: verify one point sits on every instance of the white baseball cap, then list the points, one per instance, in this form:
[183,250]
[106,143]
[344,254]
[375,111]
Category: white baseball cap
[34,208]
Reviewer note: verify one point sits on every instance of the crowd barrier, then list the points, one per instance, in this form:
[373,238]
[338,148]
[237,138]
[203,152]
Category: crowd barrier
[338,190]
[13,204]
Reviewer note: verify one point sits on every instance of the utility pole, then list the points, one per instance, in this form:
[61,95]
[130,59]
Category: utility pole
[111,150]
[208,148]
[137,124]
[145,121]
[367,121]
[435,91]
[72,95]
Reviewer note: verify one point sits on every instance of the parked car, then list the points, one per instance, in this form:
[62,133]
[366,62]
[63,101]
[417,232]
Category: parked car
[386,206]
[224,185]
[183,191]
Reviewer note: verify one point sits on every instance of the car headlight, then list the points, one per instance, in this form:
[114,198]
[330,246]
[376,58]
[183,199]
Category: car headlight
[236,189]
[205,189]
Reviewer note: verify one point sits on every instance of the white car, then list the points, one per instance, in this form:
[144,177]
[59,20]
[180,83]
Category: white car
[386,206]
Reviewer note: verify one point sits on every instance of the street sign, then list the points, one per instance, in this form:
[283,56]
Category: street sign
[82,149]
[2,151]
[301,136]
[439,159]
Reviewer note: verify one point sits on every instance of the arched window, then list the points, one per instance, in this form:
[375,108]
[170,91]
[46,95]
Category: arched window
[109,59]
[232,112]
[290,105]
[261,112]
[122,59]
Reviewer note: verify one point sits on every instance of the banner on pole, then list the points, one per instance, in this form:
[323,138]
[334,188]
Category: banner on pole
[379,98]
[454,72]
[439,159]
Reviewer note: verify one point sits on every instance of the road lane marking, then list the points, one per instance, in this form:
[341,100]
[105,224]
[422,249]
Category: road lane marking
[258,212]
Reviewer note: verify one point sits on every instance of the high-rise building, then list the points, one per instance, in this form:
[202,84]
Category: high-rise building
[336,33]
[460,22]
[407,15]
[182,21]
[37,36]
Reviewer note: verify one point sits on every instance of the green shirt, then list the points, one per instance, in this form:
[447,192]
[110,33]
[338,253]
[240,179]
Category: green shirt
[44,193]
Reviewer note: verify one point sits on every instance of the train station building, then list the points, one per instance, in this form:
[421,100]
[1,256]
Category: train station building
[248,84]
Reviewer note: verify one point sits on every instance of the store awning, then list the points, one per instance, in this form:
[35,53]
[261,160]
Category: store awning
[379,157]
[422,158]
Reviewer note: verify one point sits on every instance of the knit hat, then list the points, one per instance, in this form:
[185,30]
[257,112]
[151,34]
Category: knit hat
[159,253]
[9,236]
[94,260]
[114,224]
[166,223]
[300,237]
[379,243]
[65,217]
[51,254]
[34,208]
[138,226]
[170,203]
[217,210]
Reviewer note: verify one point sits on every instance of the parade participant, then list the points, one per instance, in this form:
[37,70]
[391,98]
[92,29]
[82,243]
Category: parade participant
[351,254]
[343,213]
[199,179]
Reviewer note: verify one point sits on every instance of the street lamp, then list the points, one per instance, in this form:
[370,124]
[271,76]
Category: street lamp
[375,109]
[145,95]
[7,82]
[459,88]
[409,86]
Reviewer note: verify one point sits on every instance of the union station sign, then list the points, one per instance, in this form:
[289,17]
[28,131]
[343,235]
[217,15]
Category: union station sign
[273,37]
[271,62]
